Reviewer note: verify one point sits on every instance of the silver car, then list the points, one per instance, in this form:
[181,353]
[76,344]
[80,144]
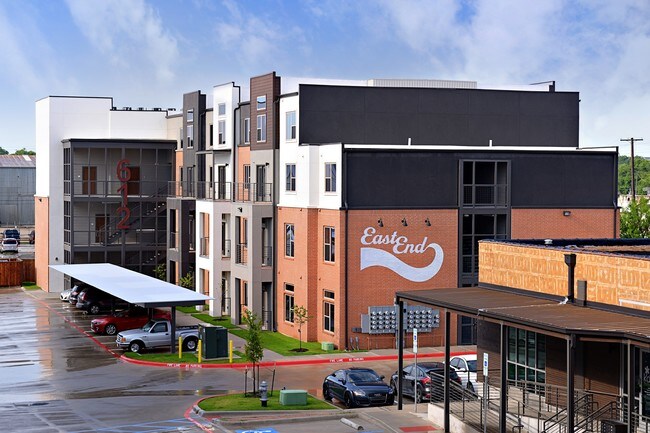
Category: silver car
[9,245]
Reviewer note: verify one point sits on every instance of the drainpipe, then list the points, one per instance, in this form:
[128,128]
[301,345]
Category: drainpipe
[345,263]
[570,260]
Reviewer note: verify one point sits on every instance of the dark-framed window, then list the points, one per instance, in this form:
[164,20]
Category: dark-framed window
[291,125]
[329,236]
[247,130]
[330,177]
[289,240]
[288,303]
[261,127]
[328,311]
[290,185]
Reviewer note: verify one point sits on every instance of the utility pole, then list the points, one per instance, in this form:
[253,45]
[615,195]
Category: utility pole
[632,140]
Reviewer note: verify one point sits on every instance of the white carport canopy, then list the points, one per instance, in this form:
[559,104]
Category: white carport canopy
[131,286]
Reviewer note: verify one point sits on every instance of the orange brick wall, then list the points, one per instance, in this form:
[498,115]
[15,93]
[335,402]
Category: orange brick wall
[376,286]
[611,279]
[551,223]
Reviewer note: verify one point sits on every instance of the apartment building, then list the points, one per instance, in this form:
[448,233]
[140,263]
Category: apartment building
[102,175]
[335,194]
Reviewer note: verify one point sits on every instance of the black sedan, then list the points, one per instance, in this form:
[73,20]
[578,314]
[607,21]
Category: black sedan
[427,379]
[358,387]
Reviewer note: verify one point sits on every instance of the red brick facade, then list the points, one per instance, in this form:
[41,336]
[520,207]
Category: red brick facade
[551,223]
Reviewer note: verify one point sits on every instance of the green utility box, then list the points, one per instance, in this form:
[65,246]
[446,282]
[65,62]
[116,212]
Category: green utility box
[327,346]
[214,341]
[293,397]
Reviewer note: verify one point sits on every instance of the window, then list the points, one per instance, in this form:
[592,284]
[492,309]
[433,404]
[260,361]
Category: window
[261,102]
[328,311]
[190,115]
[190,135]
[330,177]
[221,109]
[526,355]
[261,127]
[247,176]
[291,125]
[288,303]
[291,178]
[222,132]
[247,130]
[180,137]
[329,244]
[288,240]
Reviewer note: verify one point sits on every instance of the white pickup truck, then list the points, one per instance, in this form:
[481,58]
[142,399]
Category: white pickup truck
[156,333]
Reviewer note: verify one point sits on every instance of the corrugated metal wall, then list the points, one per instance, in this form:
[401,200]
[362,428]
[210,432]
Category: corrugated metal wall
[17,189]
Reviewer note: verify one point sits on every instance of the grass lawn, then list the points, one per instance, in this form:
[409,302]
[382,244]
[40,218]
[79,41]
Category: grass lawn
[30,285]
[239,402]
[284,345]
[187,358]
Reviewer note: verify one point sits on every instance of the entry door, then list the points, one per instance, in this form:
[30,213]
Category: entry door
[89,180]
[134,181]
[100,228]
[221,179]
[261,182]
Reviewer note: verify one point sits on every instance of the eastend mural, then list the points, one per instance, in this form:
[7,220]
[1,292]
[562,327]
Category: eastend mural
[400,245]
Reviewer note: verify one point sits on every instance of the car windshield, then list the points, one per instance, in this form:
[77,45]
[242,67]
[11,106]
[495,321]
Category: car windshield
[363,376]
[148,325]
[471,365]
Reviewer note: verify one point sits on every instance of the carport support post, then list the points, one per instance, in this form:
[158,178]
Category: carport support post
[400,350]
[173,331]
[447,355]
[570,382]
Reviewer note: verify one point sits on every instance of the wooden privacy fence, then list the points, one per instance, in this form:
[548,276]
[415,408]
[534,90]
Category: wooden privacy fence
[14,271]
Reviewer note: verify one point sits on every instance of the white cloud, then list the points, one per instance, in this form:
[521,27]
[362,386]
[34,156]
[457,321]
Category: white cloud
[130,33]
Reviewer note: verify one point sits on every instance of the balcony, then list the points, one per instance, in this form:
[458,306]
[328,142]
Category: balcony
[267,256]
[114,188]
[217,191]
[181,189]
[241,254]
[225,248]
[204,247]
[254,192]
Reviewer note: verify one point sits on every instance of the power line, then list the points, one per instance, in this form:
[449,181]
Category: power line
[632,140]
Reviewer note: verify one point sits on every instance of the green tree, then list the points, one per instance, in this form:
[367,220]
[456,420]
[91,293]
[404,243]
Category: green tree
[187,281]
[24,151]
[3,151]
[160,272]
[253,350]
[635,220]
[641,175]
[300,317]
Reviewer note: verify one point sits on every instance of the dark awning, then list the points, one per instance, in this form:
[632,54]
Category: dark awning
[133,287]
[536,311]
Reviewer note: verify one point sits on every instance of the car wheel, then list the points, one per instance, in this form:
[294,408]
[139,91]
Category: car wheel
[349,401]
[136,347]
[190,344]
[327,394]
[420,393]
[110,329]
[94,309]
[394,386]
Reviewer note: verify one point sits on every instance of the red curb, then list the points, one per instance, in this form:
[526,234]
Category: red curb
[283,362]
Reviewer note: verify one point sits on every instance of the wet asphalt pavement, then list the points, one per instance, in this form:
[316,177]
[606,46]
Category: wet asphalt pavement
[57,376]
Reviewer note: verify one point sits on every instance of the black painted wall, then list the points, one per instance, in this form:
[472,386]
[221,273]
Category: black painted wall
[464,117]
[429,179]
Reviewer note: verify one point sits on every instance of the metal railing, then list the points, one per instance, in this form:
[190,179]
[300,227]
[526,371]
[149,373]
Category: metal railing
[225,248]
[204,246]
[254,192]
[217,191]
[184,188]
[241,253]
[267,256]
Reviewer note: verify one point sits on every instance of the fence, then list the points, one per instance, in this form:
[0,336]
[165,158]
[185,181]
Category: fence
[14,271]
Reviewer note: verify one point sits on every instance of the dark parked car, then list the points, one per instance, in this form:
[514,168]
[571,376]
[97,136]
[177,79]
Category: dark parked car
[94,301]
[358,387]
[429,383]
[12,234]
[74,293]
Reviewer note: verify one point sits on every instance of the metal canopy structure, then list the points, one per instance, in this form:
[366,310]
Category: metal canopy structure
[549,314]
[135,288]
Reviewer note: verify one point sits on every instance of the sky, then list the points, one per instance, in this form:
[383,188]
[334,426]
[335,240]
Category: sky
[147,53]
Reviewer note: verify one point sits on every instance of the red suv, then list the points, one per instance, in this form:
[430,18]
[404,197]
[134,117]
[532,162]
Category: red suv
[135,317]
[94,301]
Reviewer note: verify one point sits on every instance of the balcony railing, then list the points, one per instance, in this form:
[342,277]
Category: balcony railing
[485,195]
[241,253]
[218,191]
[225,248]
[204,247]
[267,256]
[254,192]
[185,188]
[113,188]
